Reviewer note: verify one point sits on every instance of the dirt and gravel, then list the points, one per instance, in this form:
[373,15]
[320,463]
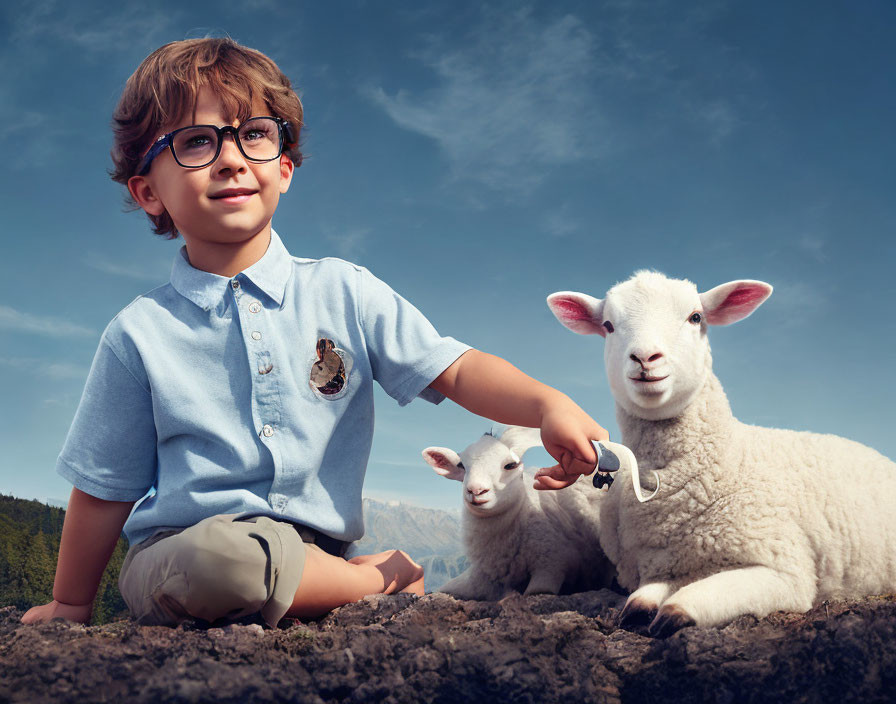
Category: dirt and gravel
[437,649]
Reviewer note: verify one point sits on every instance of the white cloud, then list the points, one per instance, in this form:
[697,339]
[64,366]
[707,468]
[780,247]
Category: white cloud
[11,319]
[45,368]
[797,302]
[350,242]
[513,101]
[814,246]
[559,222]
[105,27]
[102,263]
[520,96]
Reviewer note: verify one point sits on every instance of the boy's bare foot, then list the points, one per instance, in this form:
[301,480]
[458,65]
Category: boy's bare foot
[400,572]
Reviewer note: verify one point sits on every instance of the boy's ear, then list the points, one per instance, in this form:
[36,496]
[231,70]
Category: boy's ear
[287,168]
[142,192]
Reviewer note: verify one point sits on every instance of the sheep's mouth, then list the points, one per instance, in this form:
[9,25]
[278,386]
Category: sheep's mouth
[644,379]
[474,502]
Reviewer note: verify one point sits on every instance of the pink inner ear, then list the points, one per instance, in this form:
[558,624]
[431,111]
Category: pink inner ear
[738,304]
[743,296]
[570,310]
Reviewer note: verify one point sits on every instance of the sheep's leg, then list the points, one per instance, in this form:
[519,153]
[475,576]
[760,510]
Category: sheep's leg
[722,597]
[644,602]
[467,585]
[545,581]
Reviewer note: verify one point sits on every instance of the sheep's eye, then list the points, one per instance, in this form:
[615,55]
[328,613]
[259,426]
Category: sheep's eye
[608,325]
[696,318]
[512,465]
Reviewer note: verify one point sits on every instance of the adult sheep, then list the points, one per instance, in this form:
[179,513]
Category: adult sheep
[517,538]
[747,520]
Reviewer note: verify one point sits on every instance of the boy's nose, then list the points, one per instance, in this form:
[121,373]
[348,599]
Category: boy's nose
[230,157]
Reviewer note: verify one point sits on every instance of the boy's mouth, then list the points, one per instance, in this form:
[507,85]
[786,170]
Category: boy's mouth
[233,194]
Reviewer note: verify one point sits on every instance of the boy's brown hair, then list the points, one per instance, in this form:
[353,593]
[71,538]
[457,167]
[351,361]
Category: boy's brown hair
[164,89]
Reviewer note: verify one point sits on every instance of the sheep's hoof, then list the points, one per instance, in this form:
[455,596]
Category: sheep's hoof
[671,618]
[637,612]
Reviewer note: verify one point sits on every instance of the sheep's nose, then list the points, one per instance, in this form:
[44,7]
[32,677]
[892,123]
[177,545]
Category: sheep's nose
[477,490]
[651,358]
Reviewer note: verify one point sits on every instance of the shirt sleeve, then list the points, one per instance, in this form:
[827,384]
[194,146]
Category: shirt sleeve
[406,353]
[110,450]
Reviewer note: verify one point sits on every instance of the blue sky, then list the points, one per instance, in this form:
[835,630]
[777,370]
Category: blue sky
[479,157]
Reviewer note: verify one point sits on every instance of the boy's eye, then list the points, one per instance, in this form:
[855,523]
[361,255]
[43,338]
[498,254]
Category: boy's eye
[250,135]
[197,142]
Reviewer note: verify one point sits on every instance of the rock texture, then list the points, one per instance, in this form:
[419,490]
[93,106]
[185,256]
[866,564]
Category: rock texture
[437,649]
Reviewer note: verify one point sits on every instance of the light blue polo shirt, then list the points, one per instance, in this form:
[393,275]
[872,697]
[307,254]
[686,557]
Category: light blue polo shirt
[202,389]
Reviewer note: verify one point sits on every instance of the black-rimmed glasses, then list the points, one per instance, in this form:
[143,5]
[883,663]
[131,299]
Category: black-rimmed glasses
[259,139]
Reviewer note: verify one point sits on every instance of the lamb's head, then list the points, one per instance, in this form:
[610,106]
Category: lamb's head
[491,469]
[656,353]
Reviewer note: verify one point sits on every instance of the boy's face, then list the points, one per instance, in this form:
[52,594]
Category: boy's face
[230,201]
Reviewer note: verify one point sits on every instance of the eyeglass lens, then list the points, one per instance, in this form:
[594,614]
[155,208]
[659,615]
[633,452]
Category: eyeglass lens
[258,139]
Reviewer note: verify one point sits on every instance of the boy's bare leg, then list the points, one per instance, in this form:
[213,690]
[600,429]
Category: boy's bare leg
[328,581]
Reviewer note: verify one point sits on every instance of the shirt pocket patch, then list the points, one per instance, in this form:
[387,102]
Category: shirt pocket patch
[331,368]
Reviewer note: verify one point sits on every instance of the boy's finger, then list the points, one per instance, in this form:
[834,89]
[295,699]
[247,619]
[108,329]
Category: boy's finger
[553,478]
[580,466]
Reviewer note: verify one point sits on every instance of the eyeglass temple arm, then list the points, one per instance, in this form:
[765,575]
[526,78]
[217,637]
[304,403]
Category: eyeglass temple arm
[157,148]
[290,138]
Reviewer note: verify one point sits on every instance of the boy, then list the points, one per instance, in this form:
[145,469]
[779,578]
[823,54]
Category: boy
[241,392]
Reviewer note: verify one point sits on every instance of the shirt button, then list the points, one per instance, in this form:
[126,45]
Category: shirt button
[256,335]
[234,284]
[268,431]
[255,306]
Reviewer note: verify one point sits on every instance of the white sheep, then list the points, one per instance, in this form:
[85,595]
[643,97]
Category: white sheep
[517,538]
[747,520]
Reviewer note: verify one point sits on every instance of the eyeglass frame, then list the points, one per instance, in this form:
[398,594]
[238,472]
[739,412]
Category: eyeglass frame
[284,127]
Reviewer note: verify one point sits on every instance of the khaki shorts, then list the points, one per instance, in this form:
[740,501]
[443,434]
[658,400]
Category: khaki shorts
[224,567]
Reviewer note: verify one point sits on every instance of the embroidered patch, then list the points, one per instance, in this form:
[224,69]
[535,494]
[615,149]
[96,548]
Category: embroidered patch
[330,369]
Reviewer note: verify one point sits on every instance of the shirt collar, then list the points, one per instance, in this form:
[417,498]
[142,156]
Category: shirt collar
[206,290]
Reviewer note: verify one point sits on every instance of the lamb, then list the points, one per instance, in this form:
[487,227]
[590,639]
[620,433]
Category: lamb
[517,538]
[747,520]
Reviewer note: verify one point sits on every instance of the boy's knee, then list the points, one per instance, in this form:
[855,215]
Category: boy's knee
[229,570]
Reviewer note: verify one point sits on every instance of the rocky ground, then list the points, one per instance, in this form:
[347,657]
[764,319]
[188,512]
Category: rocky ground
[437,649]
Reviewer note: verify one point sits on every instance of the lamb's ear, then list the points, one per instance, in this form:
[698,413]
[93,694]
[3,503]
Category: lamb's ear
[445,462]
[733,301]
[579,312]
[520,439]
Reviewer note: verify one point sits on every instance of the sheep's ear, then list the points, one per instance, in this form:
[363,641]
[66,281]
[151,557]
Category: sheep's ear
[520,439]
[733,301]
[445,462]
[579,312]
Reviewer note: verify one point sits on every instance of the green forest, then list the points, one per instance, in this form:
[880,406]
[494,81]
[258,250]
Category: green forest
[29,543]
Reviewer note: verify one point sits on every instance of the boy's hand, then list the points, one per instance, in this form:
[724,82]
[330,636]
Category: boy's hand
[79,613]
[567,432]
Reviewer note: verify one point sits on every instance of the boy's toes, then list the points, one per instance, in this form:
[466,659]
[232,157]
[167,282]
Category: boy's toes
[671,618]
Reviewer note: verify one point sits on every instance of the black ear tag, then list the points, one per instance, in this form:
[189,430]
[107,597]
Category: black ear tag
[602,480]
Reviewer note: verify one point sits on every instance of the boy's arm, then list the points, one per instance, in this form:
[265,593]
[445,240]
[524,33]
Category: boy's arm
[491,387]
[91,530]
